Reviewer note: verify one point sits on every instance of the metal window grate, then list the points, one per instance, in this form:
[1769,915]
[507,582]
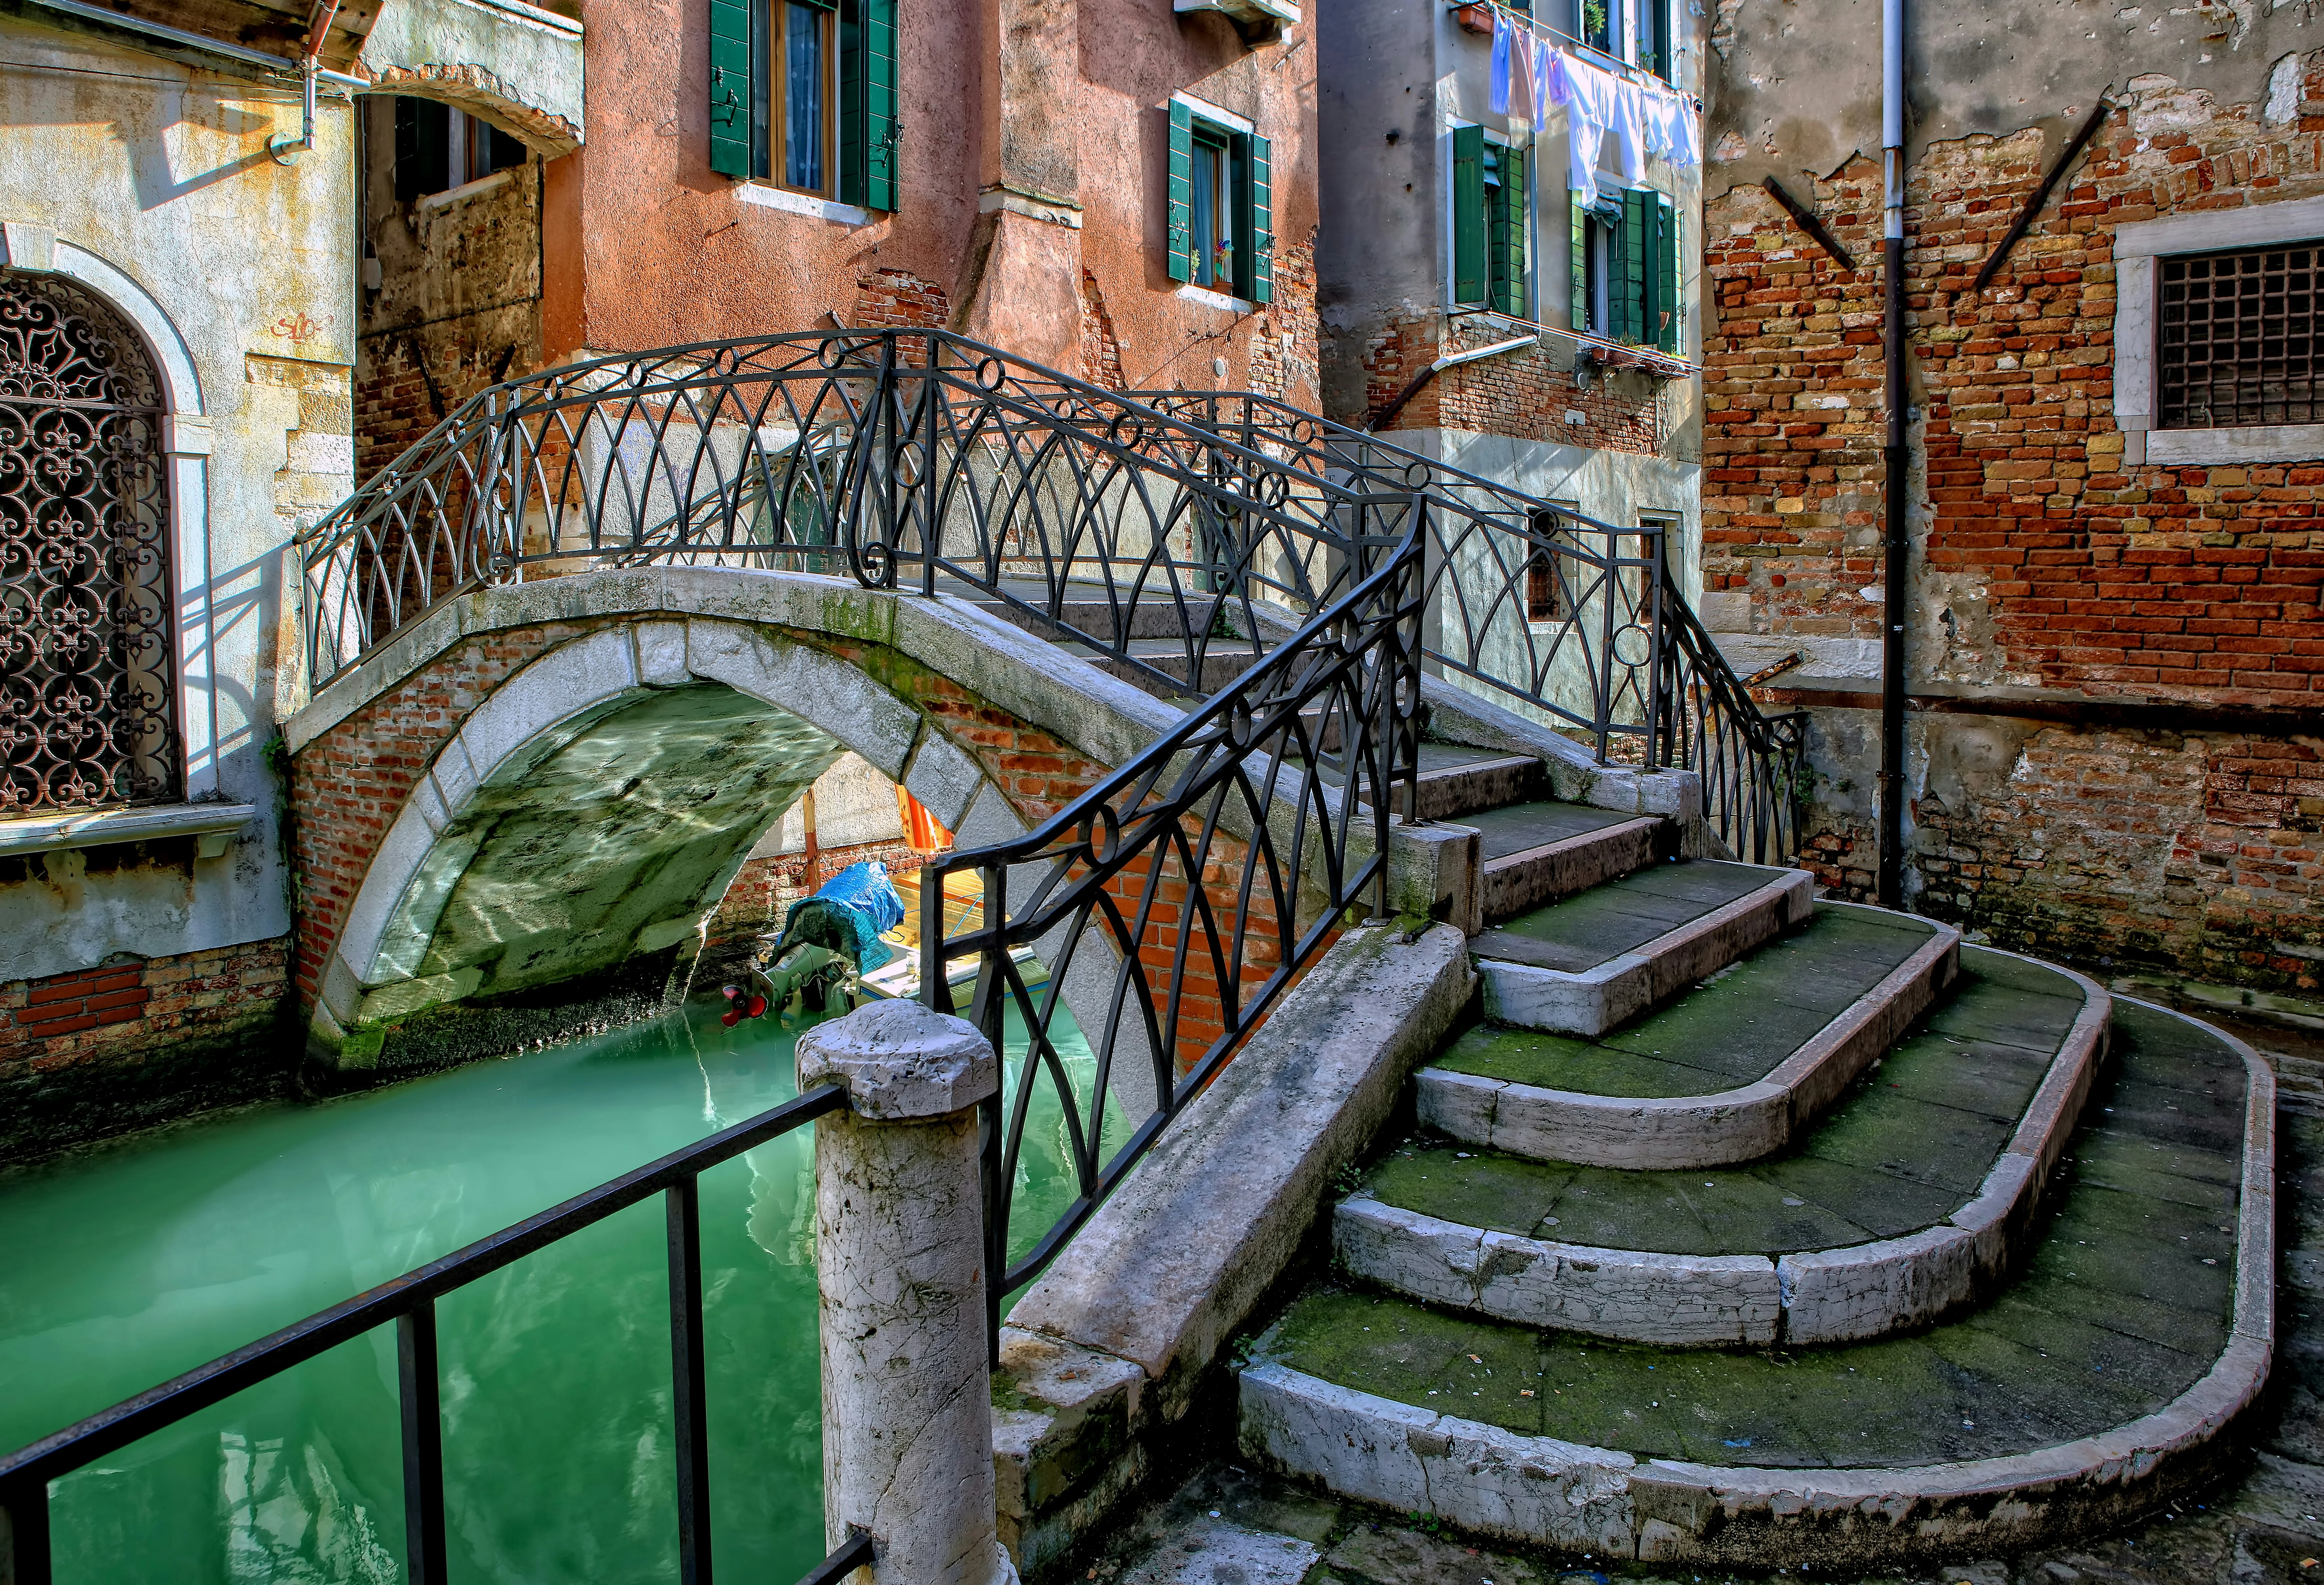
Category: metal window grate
[2238,338]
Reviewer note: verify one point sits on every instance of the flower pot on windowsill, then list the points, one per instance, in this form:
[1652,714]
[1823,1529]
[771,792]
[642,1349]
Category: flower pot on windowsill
[1622,357]
[1475,19]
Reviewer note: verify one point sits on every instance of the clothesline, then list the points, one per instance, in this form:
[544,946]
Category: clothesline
[1590,52]
[1530,75]
[1661,362]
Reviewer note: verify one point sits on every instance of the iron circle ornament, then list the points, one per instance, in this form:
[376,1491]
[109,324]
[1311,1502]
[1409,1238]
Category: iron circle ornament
[876,564]
[990,373]
[911,465]
[1238,723]
[1102,834]
[1416,476]
[1127,430]
[1633,646]
[832,352]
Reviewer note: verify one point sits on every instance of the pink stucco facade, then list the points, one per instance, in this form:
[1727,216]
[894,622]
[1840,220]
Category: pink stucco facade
[1019,119]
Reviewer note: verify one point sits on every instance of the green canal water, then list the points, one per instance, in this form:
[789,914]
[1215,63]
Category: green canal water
[124,1266]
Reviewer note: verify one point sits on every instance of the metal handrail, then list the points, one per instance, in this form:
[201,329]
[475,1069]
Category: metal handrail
[409,1303]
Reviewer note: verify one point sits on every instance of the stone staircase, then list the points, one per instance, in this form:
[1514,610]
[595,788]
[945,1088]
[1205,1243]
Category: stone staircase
[1745,1229]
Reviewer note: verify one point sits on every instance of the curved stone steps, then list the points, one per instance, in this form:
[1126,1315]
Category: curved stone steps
[1911,1198]
[2092,1388]
[1597,958]
[1730,1072]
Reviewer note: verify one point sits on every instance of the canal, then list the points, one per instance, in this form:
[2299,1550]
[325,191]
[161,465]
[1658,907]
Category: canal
[124,1265]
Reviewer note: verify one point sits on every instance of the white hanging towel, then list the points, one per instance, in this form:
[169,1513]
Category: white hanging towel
[1589,96]
[1505,36]
[1631,112]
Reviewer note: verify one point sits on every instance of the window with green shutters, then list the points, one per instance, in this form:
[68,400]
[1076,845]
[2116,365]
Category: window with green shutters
[803,94]
[1488,223]
[1626,285]
[1219,228]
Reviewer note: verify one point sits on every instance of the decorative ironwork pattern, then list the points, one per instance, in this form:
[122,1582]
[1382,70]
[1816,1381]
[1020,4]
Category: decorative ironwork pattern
[2238,339]
[85,690]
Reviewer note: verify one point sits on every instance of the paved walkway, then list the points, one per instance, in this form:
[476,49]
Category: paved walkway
[1229,1527]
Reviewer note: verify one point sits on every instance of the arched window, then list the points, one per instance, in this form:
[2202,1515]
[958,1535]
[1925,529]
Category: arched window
[86,695]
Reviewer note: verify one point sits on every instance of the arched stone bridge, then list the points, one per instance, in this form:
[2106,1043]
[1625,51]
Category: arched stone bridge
[524,808]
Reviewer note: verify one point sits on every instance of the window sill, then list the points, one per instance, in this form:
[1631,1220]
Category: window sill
[2256,443]
[791,203]
[214,824]
[1218,299]
[1249,10]
[468,189]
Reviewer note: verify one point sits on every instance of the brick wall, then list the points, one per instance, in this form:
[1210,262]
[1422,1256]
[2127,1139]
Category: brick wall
[138,1040]
[898,297]
[1532,395]
[1286,353]
[2043,560]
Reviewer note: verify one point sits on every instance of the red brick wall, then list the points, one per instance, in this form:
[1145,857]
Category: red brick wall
[1526,394]
[2044,559]
[897,297]
[94,1051]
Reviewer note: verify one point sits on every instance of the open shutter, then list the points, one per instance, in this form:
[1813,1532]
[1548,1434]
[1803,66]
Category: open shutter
[1258,217]
[1180,219]
[731,66]
[1467,213]
[1628,290]
[868,123]
[1509,210]
[1578,309]
[1665,325]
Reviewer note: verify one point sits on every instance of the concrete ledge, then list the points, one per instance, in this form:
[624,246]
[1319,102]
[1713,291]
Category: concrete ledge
[1110,1347]
[1594,1000]
[214,824]
[1716,1129]
[1668,1511]
[1515,882]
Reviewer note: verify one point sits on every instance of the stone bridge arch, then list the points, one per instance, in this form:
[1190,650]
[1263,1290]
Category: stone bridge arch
[514,819]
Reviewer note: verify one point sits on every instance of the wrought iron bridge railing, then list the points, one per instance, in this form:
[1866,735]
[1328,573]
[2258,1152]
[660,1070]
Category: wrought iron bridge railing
[1294,583]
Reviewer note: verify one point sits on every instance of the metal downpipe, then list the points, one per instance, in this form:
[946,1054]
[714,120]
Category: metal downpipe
[1896,547]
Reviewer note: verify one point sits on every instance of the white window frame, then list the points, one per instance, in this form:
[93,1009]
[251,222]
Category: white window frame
[2137,247]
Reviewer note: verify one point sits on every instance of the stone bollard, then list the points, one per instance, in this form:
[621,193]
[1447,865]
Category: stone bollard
[899,1259]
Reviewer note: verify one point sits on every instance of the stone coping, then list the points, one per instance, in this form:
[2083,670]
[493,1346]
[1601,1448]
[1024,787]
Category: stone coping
[1592,1001]
[1542,1489]
[1833,1296]
[1716,1129]
[88,828]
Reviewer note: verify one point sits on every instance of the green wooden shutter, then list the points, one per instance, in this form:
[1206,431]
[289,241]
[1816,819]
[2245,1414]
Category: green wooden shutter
[1628,290]
[730,65]
[1578,309]
[1668,299]
[1180,216]
[1468,215]
[868,123]
[1509,240]
[1258,216]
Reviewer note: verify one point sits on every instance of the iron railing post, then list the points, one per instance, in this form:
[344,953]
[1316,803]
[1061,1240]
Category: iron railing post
[924,488]
[418,1385]
[689,1397]
[24,1557]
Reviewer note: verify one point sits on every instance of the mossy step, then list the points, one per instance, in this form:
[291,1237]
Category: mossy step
[1905,1202]
[1728,1071]
[2139,1328]
[1541,850]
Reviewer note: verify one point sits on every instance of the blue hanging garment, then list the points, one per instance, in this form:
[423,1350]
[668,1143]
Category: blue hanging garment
[1504,36]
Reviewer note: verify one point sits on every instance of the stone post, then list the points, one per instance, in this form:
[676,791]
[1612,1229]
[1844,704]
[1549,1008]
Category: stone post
[899,1259]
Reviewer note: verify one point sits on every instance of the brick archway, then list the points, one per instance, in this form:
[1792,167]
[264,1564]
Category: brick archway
[402,763]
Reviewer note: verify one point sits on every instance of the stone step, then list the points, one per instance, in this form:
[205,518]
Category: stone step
[1594,960]
[1456,780]
[2096,1385]
[1154,614]
[1910,1200]
[1542,849]
[1730,1071]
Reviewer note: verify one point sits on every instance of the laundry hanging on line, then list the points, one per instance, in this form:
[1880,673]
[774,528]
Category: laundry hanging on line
[1531,75]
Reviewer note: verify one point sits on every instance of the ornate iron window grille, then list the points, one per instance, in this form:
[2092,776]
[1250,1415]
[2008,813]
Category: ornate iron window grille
[86,690]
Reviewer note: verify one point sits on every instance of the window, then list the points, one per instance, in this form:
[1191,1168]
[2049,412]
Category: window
[1488,223]
[2235,339]
[87,688]
[1650,24]
[803,95]
[1221,210]
[1626,270]
[439,148]
[1547,596]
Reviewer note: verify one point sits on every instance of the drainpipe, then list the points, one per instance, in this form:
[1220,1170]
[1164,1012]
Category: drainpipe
[1893,506]
[310,65]
[1412,387]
